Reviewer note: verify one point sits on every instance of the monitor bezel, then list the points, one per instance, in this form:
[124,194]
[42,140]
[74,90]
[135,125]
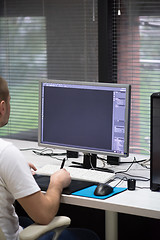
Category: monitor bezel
[77,149]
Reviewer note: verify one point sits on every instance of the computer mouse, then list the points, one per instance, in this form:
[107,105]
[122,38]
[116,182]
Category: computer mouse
[103,189]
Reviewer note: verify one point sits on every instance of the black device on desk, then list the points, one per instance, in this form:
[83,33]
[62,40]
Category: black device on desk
[103,189]
[155,142]
[88,117]
[43,182]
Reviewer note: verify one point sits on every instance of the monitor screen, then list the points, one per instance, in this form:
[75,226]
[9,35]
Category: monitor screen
[88,117]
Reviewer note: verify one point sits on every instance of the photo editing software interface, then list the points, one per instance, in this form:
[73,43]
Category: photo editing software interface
[85,117]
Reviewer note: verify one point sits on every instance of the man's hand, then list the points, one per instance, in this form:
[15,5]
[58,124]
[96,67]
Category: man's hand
[32,167]
[60,179]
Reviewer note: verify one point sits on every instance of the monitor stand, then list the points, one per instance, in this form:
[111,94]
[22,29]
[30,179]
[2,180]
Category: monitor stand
[89,162]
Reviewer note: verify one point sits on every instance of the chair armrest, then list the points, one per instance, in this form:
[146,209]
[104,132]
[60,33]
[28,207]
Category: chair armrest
[2,237]
[36,230]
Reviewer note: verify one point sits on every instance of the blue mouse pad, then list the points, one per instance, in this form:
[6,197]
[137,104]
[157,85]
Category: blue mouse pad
[89,192]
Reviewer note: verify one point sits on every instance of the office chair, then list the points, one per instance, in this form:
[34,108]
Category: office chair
[34,231]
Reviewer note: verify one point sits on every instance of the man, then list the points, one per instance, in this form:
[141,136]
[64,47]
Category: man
[17,182]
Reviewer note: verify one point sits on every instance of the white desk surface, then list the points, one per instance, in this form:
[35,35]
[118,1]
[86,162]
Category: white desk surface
[141,202]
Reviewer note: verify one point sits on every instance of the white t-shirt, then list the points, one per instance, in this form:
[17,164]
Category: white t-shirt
[16,181]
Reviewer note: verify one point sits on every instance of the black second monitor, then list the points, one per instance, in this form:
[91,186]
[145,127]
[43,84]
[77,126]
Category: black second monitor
[88,117]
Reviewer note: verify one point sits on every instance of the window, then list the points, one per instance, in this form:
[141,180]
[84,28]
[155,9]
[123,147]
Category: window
[84,40]
[54,39]
[22,61]
[136,31]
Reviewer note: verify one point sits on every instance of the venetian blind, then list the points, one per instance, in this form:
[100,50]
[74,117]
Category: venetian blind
[136,32]
[54,39]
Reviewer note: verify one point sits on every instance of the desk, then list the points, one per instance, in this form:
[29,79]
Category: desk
[141,202]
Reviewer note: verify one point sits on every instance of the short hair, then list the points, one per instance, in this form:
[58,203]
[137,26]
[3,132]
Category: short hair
[4,92]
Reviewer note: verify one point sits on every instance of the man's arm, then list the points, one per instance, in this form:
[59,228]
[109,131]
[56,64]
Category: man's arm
[42,208]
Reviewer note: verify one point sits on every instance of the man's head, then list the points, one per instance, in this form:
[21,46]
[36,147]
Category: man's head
[4,102]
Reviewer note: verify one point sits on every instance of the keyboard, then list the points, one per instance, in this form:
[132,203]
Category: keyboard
[78,173]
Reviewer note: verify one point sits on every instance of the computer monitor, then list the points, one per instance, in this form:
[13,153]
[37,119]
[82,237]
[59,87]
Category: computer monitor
[88,117]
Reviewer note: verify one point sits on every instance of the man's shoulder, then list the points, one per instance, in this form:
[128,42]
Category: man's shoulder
[4,144]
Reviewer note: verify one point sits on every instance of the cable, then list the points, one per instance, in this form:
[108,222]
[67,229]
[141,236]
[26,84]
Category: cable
[52,154]
[127,168]
[123,179]
[102,160]
[146,150]
[143,161]
[31,149]
[143,187]
[138,178]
